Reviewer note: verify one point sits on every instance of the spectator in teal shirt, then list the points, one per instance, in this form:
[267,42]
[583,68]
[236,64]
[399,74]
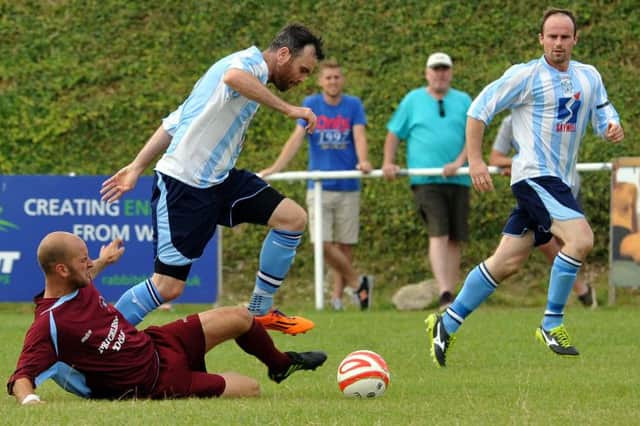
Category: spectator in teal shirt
[432,121]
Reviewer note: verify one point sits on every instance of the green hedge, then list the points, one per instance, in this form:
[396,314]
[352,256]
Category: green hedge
[83,84]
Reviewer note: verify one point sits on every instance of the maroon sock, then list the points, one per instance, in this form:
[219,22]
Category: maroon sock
[257,342]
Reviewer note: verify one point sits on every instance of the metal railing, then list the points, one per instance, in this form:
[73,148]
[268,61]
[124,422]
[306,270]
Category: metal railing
[319,176]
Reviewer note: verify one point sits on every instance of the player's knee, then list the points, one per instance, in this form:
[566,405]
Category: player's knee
[172,293]
[242,317]
[580,242]
[298,219]
[289,216]
[169,288]
[504,268]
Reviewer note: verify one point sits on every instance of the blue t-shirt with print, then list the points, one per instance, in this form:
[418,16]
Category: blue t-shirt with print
[331,145]
[433,140]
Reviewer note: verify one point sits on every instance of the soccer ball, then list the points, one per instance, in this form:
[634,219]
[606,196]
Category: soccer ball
[363,374]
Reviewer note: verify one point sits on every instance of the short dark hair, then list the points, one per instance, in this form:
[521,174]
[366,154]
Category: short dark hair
[556,11]
[296,37]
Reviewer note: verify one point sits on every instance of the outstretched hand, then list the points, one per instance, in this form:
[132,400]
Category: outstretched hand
[120,183]
[112,252]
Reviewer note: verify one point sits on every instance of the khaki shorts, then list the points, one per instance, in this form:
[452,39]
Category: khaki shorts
[444,208]
[340,216]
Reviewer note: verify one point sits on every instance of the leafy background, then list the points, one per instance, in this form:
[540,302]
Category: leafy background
[83,84]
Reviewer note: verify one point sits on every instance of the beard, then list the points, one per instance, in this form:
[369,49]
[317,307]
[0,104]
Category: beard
[78,279]
[282,84]
[281,77]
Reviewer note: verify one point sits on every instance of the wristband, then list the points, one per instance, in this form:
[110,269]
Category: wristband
[31,397]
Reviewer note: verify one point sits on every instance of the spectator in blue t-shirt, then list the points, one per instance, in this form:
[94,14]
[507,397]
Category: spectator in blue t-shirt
[338,143]
[432,120]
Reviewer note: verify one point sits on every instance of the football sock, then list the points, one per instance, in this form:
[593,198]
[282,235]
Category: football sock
[478,285]
[138,301]
[258,343]
[563,274]
[276,256]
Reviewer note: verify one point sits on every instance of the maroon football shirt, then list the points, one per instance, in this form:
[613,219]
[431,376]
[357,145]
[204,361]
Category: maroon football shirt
[85,332]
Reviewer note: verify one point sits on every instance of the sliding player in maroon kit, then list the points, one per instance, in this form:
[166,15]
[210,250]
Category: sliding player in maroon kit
[90,349]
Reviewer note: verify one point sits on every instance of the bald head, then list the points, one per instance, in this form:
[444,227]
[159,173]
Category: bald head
[57,247]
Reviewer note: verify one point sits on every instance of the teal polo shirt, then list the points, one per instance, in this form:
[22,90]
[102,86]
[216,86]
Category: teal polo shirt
[432,140]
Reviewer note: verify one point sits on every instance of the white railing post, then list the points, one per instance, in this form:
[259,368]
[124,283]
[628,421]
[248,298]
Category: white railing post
[318,244]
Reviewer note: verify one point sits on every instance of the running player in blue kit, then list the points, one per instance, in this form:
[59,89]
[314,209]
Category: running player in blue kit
[197,186]
[552,99]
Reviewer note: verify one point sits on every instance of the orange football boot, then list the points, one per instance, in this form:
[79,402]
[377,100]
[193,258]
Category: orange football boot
[276,320]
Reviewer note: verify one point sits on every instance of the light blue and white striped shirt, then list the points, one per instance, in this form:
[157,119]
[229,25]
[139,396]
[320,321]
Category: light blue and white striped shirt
[550,111]
[209,127]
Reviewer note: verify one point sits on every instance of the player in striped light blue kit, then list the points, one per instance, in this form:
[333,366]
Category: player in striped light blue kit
[552,99]
[197,186]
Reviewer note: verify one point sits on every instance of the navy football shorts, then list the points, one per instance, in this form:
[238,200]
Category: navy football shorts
[541,200]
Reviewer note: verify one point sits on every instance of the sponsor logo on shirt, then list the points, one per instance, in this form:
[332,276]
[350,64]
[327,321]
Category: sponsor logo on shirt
[119,341]
[567,113]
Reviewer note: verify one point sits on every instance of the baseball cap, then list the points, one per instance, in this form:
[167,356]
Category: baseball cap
[439,59]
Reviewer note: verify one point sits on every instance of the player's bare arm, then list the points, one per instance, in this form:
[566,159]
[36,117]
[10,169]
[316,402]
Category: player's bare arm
[109,254]
[250,87]
[126,178]
[478,169]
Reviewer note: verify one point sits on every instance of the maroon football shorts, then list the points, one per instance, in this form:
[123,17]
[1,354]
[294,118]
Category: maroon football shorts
[181,349]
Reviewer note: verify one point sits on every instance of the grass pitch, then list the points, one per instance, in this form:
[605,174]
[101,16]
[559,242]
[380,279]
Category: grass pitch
[497,374]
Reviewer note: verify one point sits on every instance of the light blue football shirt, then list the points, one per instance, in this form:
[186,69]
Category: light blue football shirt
[209,127]
[550,112]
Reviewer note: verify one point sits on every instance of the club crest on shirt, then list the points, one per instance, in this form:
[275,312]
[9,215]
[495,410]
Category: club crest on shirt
[567,86]
[86,336]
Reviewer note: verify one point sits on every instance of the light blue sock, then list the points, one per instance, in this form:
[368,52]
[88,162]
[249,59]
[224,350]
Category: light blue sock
[138,301]
[563,274]
[478,285]
[276,256]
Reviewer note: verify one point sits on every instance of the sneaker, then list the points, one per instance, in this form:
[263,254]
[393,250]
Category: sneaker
[557,340]
[439,340]
[299,361]
[589,299]
[336,304]
[364,292]
[276,320]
